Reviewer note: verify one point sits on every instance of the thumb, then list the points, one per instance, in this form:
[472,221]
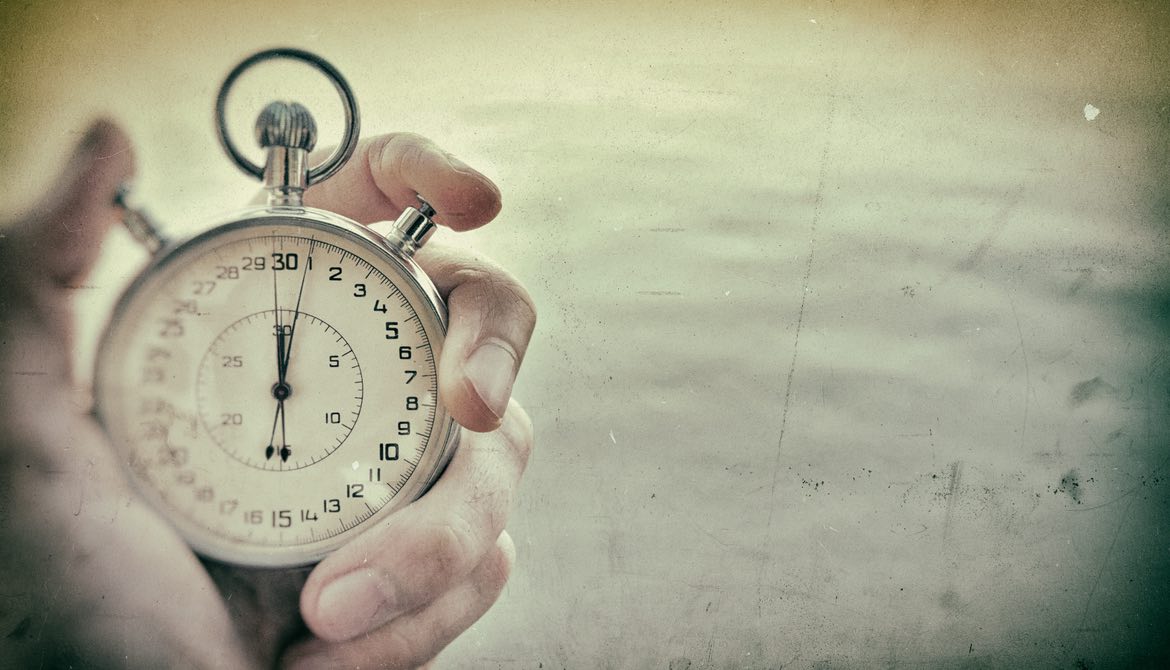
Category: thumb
[64,233]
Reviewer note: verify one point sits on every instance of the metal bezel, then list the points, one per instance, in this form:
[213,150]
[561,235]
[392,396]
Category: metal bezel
[447,430]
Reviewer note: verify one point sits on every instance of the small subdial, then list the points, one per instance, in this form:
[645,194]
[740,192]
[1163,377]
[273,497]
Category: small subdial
[279,389]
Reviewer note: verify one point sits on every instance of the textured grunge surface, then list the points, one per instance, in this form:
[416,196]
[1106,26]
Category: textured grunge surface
[853,345]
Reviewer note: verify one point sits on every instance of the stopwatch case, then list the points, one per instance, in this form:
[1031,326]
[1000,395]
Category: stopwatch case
[445,433]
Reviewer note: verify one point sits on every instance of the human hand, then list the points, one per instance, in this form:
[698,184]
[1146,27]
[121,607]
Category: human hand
[82,586]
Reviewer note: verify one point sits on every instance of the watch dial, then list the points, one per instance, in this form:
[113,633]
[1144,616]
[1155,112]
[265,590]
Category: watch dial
[273,387]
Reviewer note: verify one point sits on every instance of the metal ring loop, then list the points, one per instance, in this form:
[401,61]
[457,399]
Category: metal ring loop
[352,119]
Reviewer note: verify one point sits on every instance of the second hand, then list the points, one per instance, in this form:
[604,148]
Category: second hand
[296,314]
[282,390]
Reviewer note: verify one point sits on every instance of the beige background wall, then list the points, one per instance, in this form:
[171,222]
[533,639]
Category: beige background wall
[852,348]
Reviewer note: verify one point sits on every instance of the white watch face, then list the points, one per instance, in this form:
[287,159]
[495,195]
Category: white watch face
[272,386]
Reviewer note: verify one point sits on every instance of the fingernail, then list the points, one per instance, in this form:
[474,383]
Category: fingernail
[354,604]
[486,184]
[491,368]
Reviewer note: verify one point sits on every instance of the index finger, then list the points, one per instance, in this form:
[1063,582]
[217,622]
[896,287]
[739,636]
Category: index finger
[388,172]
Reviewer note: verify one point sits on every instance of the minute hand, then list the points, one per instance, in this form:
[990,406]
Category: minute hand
[296,315]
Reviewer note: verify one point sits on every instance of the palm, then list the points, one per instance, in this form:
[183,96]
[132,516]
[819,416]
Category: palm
[80,548]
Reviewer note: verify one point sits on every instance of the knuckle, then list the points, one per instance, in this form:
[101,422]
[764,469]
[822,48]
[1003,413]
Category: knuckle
[483,285]
[524,305]
[518,432]
[491,284]
[494,573]
[406,650]
[486,503]
[473,274]
[448,548]
[404,151]
[498,280]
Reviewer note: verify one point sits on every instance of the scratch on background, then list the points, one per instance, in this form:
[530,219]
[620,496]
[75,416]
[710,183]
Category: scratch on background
[818,202]
[1027,375]
[998,223]
[1104,564]
[1151,371]
[952,491]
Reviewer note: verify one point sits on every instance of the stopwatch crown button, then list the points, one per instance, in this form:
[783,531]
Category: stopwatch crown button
[425,207]
[412,229]
[140,224]
[286,124]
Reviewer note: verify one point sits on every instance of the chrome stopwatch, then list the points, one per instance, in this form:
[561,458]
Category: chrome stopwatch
[271,383]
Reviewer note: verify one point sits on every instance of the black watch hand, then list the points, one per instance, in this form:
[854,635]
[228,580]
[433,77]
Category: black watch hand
[292,331]
[280,390]
[285,450]
[284,343]
[271,448]
[278,331]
